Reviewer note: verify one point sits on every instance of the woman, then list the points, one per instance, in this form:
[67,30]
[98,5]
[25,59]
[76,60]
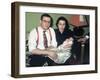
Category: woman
[64,34]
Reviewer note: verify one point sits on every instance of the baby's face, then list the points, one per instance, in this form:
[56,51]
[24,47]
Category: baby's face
[68,41]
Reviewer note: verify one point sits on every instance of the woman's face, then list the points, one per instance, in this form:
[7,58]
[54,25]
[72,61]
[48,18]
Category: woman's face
[61,25]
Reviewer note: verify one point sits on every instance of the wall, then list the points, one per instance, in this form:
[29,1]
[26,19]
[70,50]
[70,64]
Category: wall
[5,41]
[33,20]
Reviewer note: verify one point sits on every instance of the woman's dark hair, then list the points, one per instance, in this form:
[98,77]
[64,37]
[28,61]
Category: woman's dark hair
[64,19]
[47,15]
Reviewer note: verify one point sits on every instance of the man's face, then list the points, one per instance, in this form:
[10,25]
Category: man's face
[45,22]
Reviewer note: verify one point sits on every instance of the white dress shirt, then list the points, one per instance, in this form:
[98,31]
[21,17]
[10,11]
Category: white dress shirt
[33,38]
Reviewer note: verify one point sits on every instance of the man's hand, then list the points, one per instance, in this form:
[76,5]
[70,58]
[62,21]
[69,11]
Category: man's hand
[52,55]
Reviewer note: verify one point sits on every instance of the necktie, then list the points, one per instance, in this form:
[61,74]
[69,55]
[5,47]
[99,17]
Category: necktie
[45,40]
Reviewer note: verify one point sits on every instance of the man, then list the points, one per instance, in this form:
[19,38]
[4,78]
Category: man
[40,39]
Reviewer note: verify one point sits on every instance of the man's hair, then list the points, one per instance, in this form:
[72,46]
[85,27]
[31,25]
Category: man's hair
[47,15]
[64,19]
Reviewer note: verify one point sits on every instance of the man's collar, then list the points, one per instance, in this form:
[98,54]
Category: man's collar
[43,29]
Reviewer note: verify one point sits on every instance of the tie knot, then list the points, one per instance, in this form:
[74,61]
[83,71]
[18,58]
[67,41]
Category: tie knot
[44,31]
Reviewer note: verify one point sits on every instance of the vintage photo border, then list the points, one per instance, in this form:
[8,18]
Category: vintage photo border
[15,39]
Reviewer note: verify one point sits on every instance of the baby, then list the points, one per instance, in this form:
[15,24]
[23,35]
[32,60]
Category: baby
[63,51]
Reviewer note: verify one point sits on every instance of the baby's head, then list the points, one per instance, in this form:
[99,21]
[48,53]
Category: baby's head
[68,41]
